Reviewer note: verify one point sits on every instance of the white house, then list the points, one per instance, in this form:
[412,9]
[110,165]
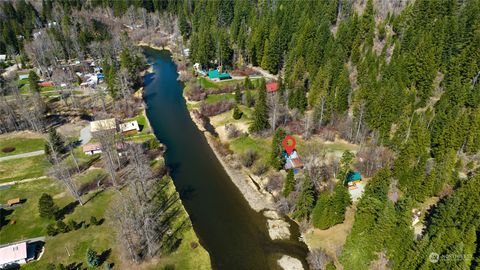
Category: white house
[92,149]
[131,127]
[13,254]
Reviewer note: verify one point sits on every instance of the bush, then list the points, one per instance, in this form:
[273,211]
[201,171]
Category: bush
[216,108]
[62,227]
[232,131]
[260,169]
[8,149]
[249,157]
[72,225]
[153,144]
[237,113]
[51,230]
[94,220]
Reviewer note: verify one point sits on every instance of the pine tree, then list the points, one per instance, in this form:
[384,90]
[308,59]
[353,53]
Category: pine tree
[238,94]
[55,141]
[345,162]
[306,200]
[276,158]
[92,258]
[260,114]
[33,82]
[289,183]
[47,207]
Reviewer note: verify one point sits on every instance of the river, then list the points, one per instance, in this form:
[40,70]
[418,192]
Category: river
[235,236]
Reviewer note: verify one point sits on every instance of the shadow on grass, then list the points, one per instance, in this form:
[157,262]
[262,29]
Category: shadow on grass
[3,214]
[104,255]
[67,209]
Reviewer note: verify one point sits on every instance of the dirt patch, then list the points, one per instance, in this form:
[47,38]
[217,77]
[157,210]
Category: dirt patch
[23,134]
[8,149]
[72,129]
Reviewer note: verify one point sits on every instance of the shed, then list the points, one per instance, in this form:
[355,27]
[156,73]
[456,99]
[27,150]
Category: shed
[13,201]
[13,254]
[46,84]
[23,76]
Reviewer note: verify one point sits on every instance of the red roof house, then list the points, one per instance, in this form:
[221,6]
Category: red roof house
[46,84]
[272,87]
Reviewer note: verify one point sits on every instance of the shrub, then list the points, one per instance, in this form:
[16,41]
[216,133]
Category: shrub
[94,220]
[8,149]
[51,230]
[232,131]
[216,108]
[249,157]
[153,144]
[72,225]
[260,169]
[237,113]
[193,245]
[62,227]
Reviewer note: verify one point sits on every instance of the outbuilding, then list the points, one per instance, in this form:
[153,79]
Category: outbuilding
[129,128]
[353,178]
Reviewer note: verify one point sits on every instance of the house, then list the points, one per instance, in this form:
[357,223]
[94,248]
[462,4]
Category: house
[272,87]
[129,128]
[96,148]
[92,149]
[3,57]
[215,75]
[13,254]
[103,125]
[23,76]
[292,161]
[353,178]
[12,202]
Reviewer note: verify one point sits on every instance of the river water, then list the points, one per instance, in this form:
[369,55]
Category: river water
[235,236]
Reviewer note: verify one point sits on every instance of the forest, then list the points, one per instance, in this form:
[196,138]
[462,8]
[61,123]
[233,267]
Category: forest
[402,77]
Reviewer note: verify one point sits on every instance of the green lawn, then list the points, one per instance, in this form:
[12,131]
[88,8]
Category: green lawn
[23,168]
[219,97]
[22,145]
[244,143]
[28,222]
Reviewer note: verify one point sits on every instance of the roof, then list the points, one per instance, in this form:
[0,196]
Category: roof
[293,163]
[46,84]
[13,253]
[91,147]
[132,125]
[354,176]
[272,86]
[212,74]
[105,124]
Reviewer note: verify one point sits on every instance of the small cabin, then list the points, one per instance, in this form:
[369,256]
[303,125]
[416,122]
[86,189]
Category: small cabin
[130,128]
[353,178]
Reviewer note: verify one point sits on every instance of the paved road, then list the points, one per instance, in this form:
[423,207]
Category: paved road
[85,135]
[29,154]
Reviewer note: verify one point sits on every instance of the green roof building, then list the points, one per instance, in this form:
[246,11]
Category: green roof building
[214,74]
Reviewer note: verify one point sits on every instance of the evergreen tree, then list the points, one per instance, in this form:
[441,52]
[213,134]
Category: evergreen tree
[238,94]
[345,162]
[276,158]
[93,260]
[47,207]
[33,82]
[260,114]
[305,201]
[289,183]
[55,141]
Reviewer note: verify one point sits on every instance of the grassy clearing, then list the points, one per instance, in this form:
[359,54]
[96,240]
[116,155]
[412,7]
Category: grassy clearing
[21,144]
[90,176]
[260,145]
[219,97]
[23,168]
[28,222]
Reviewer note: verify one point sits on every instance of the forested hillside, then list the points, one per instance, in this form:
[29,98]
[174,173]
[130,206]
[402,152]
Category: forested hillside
[406,79]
